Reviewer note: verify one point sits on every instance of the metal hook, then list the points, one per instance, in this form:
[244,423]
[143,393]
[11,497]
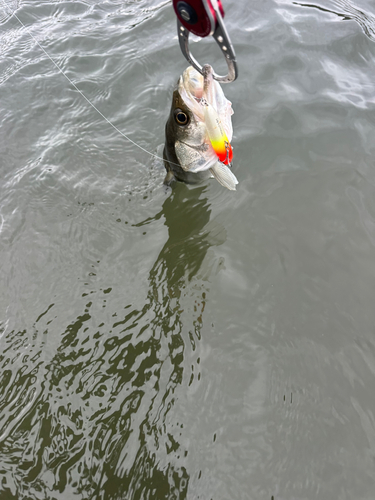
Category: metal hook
[187,20]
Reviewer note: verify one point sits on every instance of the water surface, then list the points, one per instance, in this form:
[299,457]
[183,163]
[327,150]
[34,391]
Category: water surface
[193,343]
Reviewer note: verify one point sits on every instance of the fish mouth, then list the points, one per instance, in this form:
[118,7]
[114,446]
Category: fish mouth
[201,147]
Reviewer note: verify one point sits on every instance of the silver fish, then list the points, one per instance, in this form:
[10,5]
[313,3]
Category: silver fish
[188,152]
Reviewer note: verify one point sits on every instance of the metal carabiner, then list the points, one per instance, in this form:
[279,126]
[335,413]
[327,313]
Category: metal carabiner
[204,18]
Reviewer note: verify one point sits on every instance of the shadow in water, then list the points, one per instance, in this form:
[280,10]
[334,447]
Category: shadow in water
[99,417]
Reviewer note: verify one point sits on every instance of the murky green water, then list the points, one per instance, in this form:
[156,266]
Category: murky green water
[194,343]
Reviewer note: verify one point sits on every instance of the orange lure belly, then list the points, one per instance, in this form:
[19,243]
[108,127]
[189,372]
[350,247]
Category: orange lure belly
[217,135]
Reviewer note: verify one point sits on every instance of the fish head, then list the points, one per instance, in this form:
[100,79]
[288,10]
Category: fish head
[185,132]
[186,129]
[198,130]
[187,147]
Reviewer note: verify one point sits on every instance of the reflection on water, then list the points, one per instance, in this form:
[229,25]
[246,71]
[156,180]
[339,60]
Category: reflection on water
[347,11]
[7,8]
[94,417]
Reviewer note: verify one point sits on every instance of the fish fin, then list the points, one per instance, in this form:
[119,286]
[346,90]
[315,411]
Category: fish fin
[169,178]
[224,175]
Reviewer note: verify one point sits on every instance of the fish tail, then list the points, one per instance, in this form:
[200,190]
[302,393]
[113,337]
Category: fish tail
[224,176]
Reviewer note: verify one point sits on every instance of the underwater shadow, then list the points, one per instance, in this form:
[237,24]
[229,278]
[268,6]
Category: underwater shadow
[186,213]
[103,421]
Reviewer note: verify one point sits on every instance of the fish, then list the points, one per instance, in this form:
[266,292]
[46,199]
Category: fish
[198,131]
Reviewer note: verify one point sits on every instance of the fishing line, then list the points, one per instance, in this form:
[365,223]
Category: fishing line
[82,94]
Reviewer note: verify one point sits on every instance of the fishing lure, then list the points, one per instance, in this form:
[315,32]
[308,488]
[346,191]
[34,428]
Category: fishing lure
[216,133]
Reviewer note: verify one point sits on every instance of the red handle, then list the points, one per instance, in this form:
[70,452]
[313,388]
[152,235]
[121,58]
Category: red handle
[197,16]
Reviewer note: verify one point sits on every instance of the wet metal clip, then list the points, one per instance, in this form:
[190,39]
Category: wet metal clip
[204,18]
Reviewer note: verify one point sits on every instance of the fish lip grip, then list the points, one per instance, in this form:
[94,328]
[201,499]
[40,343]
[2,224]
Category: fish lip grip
[204,18]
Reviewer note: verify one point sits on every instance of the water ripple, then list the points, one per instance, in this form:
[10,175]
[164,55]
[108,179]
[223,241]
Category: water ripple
[348,11]
[7,9]
[99,404]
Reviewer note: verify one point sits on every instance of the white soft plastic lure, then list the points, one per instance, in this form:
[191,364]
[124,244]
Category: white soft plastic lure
[213,127]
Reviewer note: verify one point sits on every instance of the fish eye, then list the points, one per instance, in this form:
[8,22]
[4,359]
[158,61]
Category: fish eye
[181,117]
